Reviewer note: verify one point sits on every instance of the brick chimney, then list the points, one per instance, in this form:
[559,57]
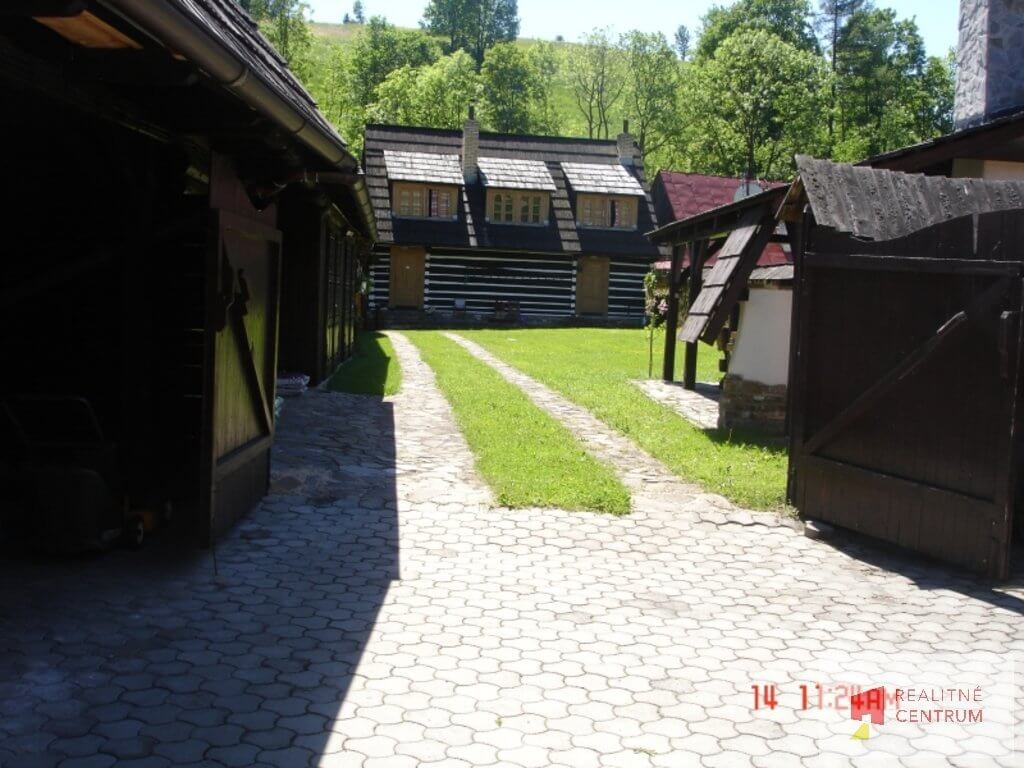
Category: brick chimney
[470,146]
[990,61]
[626,145]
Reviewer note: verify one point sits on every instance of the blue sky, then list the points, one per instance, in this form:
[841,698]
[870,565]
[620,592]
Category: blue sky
[937,19]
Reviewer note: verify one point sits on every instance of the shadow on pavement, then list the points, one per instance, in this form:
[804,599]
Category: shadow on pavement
[240,656]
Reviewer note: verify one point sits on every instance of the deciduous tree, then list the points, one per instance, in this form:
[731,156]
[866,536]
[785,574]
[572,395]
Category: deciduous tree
[653,85]
[509,86]
[473,25]
[754,104]
[791,20]
[597,80]
[435,95]
[379,49]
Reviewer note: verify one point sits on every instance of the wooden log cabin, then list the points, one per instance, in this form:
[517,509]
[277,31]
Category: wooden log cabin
[477,227]
[178,206]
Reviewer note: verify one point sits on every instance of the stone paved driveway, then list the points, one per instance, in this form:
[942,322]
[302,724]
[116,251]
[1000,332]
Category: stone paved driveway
[377,610]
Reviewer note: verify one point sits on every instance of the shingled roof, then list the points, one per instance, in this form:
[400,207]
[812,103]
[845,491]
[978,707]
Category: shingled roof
[423,166]
[471,230]
[509,173]
[601,179]
[679,196]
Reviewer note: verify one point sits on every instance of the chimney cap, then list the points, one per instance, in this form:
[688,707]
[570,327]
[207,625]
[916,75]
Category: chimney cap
[472,111]
[625,126]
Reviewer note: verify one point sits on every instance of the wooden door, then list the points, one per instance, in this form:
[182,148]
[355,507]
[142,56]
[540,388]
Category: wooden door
[592,286]
[905,398]
[407,268]
[243,279]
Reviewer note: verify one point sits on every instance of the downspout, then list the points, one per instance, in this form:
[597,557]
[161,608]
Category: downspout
[181,35]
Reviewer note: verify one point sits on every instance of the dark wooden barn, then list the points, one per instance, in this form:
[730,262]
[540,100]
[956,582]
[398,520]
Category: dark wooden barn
[177,205]
[482,226]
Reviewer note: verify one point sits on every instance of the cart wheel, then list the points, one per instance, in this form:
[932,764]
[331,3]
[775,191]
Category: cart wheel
[134,532]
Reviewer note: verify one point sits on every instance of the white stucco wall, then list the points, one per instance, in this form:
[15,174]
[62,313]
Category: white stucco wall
[762,344]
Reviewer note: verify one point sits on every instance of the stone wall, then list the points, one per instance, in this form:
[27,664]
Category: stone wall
[752,405]
[990,60]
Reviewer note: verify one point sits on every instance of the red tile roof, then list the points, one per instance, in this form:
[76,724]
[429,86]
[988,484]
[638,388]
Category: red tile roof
[682,195]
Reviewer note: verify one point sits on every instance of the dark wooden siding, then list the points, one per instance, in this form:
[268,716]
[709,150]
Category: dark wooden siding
[924,337]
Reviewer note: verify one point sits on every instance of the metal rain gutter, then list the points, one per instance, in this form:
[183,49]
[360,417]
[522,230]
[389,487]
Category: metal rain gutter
[182,35]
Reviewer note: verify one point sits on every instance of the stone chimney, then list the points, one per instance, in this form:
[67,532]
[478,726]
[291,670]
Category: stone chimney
[626,145]
[990,61]
[470,146]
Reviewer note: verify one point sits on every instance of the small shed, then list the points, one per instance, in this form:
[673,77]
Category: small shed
[737,264]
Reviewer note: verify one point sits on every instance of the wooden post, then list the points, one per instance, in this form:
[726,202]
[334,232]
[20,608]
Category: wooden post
[697,252]
[668,372]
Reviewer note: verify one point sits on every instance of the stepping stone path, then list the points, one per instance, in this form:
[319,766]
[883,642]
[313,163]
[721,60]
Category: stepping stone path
[651,485]
[378,610]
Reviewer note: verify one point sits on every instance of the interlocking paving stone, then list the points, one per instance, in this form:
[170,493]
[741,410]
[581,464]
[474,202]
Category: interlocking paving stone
[379,609]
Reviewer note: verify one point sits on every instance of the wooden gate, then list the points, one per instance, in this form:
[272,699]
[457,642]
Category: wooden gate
[592,286]
[243,276]
[906,388]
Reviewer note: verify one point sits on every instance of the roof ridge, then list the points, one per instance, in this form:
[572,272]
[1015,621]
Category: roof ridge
[457,132]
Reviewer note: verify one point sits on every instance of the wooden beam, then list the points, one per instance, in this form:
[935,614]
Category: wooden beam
[697,258]
[668,370]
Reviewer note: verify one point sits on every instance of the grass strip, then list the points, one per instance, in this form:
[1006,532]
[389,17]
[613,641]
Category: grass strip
[372,370]
[593,368]
[527,457]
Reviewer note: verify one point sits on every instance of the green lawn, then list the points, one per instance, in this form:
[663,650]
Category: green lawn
[528,458]
[372,369]
[592,367]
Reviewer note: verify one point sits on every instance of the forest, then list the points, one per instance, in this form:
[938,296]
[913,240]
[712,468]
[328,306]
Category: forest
[758,82]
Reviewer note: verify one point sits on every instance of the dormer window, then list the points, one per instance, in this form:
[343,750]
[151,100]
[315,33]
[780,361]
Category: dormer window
[518,191]
[607,196]
[508,207]
[606,211]
[423,186]
[421,201]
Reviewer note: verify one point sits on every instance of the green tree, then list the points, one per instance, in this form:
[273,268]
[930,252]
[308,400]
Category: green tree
[509,87]
[545,116]
[787,19]
[473,25]
[754,105]
[435,95]
[832,20]
[653,85]
[889,93]
[379,49]
[682,41]
[597,80]
[358,14]
[284,24]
